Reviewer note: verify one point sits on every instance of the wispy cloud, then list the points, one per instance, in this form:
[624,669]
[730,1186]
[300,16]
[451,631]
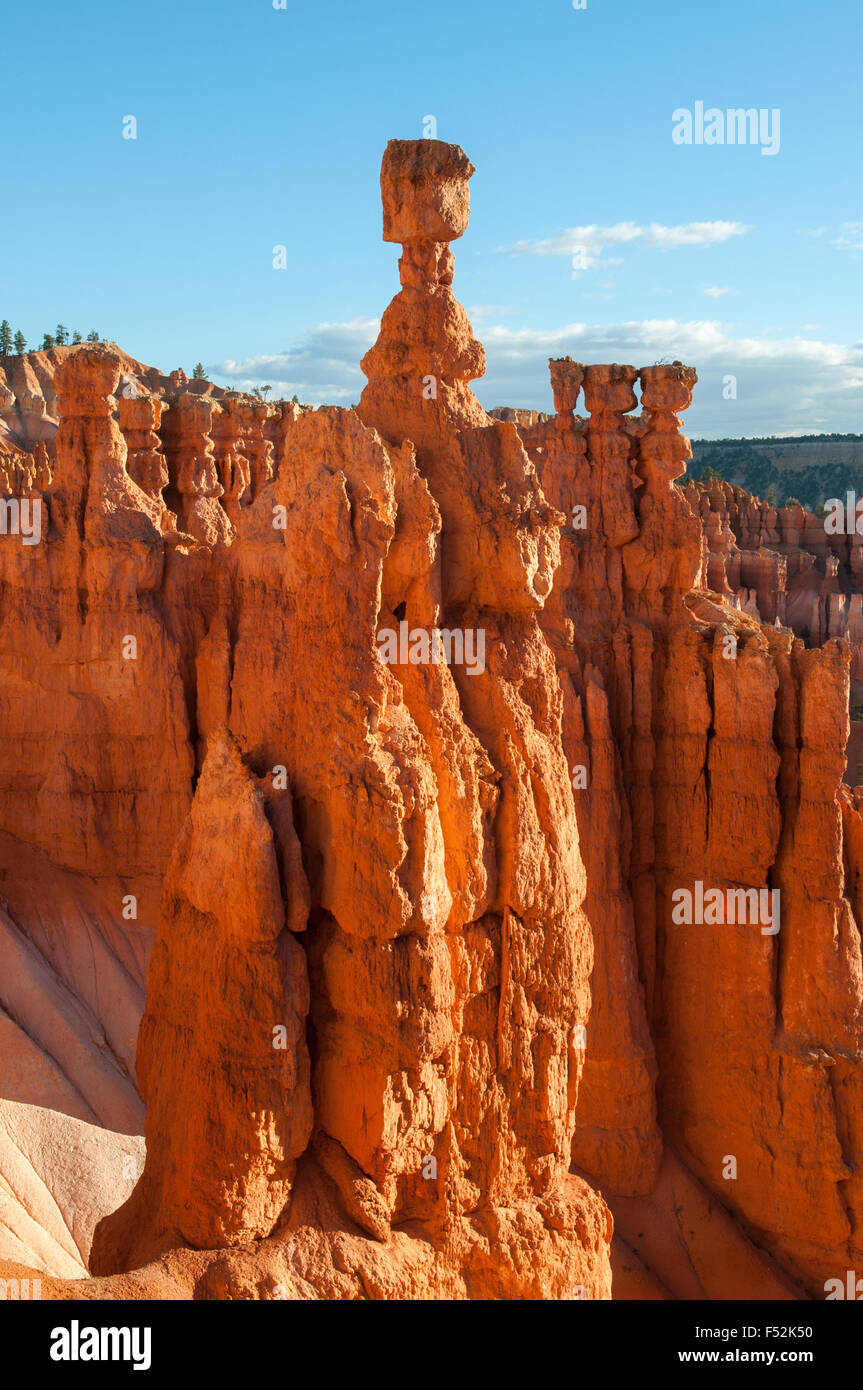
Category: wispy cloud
[715,292]
[484,311]
[324,366]
[790,384]
[585,245]
[850,237]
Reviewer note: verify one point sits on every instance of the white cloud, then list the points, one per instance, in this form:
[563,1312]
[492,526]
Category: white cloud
[715,292]
[693,234]
[789,385]
[324,367]
[586,244]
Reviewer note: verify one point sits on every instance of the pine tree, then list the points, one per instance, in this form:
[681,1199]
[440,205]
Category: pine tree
[76,337]
[5,338]
[61,335]
[92,336]
[20,343]
[48,341]
[199,374]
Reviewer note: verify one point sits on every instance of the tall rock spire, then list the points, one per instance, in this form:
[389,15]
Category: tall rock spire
[426,354]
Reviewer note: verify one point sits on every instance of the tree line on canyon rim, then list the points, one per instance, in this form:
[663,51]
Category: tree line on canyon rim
[768,467]
[61,337]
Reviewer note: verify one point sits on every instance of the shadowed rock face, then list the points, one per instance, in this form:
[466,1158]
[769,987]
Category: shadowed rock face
[369,888]
[787,566]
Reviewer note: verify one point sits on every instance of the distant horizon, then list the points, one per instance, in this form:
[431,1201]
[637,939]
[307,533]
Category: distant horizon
[227,385]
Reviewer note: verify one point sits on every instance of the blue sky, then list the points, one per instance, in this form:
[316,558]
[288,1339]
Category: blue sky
[592,232]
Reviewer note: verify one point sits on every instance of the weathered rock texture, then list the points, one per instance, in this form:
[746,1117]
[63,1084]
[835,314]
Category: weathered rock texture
[373,892]
[714,761]
[785,566]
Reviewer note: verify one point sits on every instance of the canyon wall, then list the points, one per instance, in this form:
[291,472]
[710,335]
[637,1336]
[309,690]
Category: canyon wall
[720,749]
[785,565]
[792,568]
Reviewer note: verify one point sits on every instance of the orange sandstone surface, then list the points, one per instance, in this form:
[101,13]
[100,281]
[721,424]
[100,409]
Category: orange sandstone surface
[354,763]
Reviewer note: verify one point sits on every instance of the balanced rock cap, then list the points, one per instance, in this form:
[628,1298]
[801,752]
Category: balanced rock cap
[424,190]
